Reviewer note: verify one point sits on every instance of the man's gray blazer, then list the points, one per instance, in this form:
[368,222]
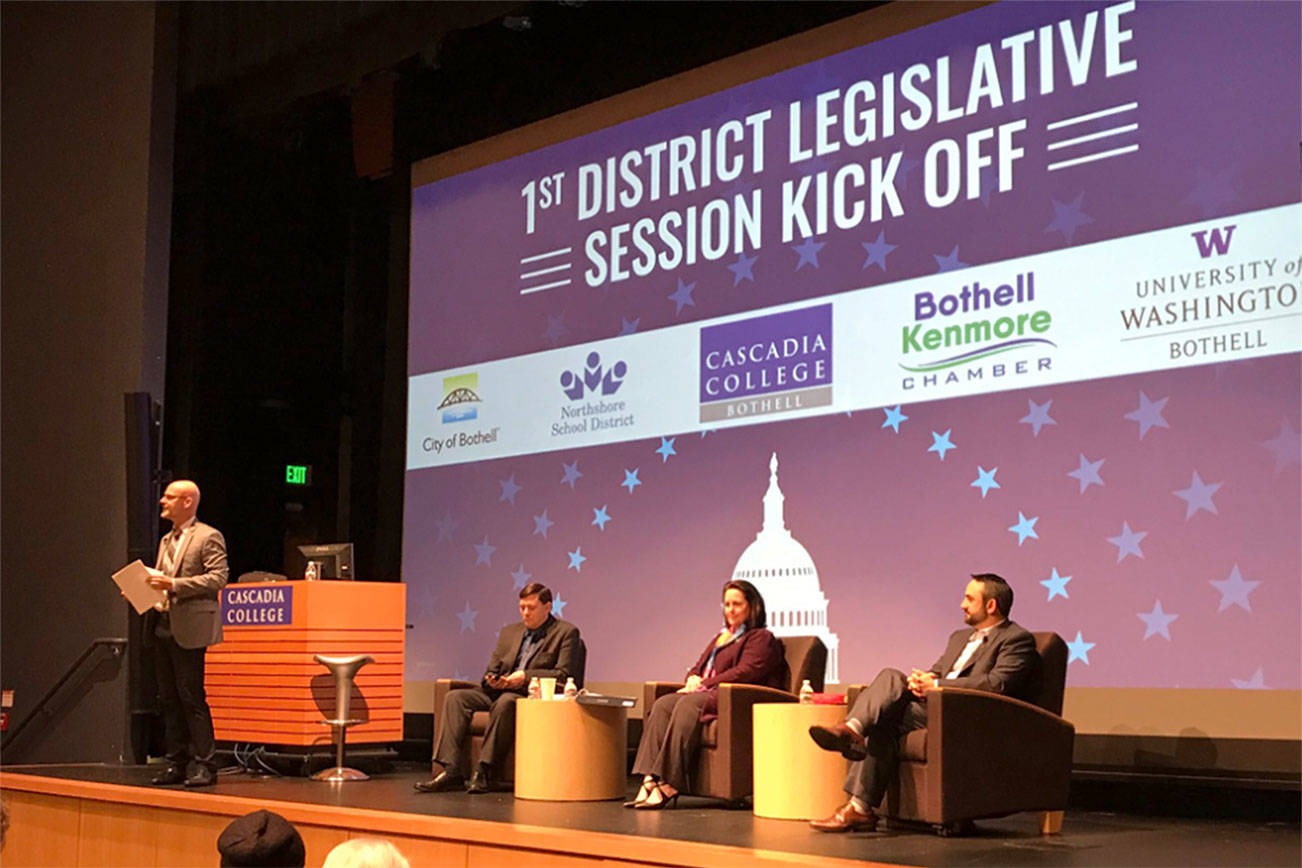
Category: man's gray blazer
[201,571]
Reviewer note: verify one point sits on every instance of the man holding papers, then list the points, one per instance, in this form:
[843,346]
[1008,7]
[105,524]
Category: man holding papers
[190,570]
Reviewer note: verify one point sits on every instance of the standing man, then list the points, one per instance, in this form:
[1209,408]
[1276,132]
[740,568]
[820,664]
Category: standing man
[539,646]
[191,569]
[992,654]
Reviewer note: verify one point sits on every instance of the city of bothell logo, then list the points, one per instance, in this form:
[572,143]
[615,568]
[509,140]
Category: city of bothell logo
[769,364]
[459,398]
[968,344]
[593,385]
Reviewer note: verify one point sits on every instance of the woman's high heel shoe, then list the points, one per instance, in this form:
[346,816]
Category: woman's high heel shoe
[644,792]
[660,804]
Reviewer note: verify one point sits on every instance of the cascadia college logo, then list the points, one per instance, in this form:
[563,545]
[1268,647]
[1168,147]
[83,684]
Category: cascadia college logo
[939,351]
[460,398]
[769,364]
[589,389]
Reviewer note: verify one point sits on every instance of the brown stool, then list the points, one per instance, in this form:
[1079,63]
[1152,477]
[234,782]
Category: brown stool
[343,669]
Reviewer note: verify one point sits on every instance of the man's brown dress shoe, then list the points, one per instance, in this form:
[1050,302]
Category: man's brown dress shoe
[174,774]
[840,738]
[846,819]
[441,782]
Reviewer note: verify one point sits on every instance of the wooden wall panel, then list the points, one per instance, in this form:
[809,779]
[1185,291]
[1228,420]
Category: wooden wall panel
[42,830]
[116,836]
[186,839]
[320,840]
[431,851]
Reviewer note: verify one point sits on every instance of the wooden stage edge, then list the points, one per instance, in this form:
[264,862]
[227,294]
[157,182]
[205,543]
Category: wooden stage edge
[61,822]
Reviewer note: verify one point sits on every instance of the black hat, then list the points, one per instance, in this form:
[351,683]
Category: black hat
[261,839]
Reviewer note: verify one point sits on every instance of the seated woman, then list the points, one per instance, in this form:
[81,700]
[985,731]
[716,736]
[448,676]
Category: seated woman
[743,651]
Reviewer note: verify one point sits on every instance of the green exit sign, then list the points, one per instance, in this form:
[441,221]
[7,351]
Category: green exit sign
[298,474]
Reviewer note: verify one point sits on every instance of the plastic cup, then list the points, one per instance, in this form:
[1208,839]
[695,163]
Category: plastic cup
[548,688]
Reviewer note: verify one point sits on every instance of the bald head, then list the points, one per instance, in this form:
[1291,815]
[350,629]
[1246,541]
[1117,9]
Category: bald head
[179,502]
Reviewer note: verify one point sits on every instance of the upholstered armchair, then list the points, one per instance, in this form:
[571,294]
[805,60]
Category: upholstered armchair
[724,768]
[479,721]
[984,755]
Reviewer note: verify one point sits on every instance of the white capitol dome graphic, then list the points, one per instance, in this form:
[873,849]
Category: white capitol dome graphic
[780,567]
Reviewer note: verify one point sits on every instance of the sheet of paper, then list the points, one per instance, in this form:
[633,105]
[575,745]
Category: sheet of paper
[133,579]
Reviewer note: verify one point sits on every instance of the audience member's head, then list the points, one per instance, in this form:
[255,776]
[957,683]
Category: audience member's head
[366,853]
[261,839]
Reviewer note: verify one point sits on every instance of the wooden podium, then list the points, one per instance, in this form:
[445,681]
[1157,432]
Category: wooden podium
[263,685]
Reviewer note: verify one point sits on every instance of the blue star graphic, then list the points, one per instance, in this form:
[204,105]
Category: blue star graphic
[808,251]
[519,578]
[682,297]
[1286,446]
[666,448]
[1038,416]
[484,552]
[630,479]
[572,474]
[907,165]
[940,443]
[1127,542]
[1256,682]
[1156,622]
[1213,194]
[509,489]
[467,617]
[629,326]
[1024,528]
[1234,591]
[1087,473]
[1079,649]
[985,480]
[541,523]
[1057,585]
[877,251]
[1148,414]
[600,517]
[446,525]
[1068,218]
[558,606]
[894,418]
[741,269]
[948,262]
[576,559]
[556,328]
[1198,496]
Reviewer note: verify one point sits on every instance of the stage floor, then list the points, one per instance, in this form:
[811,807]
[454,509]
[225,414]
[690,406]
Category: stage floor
[1092,838]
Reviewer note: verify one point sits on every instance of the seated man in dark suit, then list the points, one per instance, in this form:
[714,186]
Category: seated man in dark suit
[539,646]
[992,654]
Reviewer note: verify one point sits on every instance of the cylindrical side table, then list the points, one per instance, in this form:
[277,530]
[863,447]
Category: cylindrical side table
[567,752]
[795,779]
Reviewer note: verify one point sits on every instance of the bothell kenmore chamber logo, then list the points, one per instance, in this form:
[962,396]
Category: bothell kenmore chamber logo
[589,389]
[769,364]
[460,398]
[938,352]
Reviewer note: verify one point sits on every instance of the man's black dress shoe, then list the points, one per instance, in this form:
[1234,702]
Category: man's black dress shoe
[440,783]
[173,775]
[841,739]
[204,776]
[479,781]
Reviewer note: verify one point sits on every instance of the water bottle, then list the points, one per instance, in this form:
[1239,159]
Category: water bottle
[571,689]
[806,692]
[313,571]
[535,689]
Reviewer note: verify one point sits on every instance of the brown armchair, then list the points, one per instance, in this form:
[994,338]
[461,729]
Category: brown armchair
[984,755]
[479,721]
[724,768]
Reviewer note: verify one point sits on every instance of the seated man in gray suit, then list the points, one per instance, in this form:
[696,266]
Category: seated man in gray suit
[539,646]
[191,569]
[992,654]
